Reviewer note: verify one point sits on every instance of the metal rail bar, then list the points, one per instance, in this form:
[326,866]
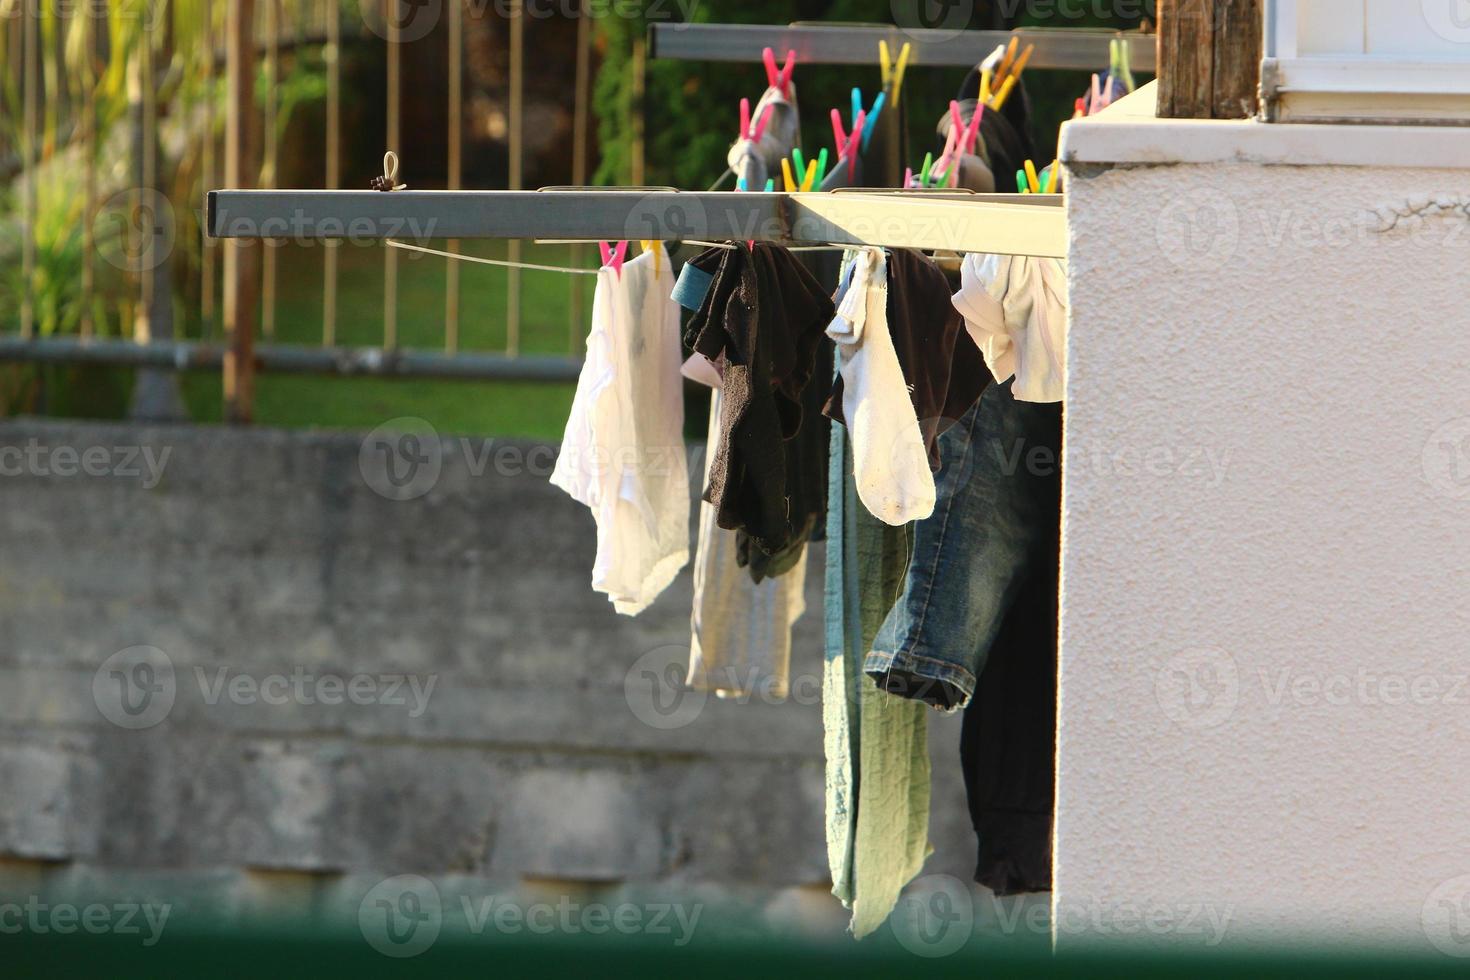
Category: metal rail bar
[286,359]
[1079,49]
[1002,223]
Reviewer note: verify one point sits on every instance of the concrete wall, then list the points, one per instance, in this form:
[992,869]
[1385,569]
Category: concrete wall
[539,753]
[1265,708]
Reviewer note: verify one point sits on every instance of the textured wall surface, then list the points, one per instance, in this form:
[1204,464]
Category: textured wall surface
[1265,709]
[249,559]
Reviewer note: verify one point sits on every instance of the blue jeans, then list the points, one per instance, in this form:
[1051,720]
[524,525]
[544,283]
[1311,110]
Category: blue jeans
[994,528]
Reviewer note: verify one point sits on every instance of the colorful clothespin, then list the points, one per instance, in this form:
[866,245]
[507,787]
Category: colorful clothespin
[985,78]
[998,103]
[1125,64]
[848,145]
[908,177]
[1010,58]
[924,172]
[873,114]
[810,179]
[1032,180]
[740,185]
[891,73]
[1022,184]
[652,245]
[1021,62]
[789,182]
[612,258]
[1096,104]
[770,184]
[822,166]
[799,163]
[779,79]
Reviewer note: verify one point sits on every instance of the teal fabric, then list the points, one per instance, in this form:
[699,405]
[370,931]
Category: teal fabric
[877,745]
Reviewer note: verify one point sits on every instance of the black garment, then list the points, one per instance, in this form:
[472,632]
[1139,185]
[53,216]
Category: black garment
[945,371]
[767,316]
[1008,741]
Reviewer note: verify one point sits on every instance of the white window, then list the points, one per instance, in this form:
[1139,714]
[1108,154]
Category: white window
[1367,61]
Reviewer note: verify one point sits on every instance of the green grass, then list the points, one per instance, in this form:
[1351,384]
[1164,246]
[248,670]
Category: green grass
[498,408]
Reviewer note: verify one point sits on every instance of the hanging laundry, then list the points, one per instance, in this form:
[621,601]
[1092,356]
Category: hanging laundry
[944,375]
[764,317]
[622,454]
[890,461]
[740,642]
[1008,744]
[740,628]
[876,746]
[1015,309]
[976,625]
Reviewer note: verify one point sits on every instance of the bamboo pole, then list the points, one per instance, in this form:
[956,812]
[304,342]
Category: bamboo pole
[580,116]
[206,163]
[272,160]
[395,133]
[30,82]
[240,258]
[456,166]
[89,167]
[517,122]
[334,165]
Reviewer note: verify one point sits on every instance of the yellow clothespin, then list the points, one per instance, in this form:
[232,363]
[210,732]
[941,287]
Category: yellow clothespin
[810,179]
[1031,179]
[790,183]
[985,79]
[892,74]
[651,245]
[999,101]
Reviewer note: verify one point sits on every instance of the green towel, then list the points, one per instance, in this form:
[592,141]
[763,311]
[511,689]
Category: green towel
[877,745]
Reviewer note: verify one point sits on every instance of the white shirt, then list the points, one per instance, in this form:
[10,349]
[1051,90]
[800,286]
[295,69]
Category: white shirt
[890,463]
[1015,308]
[623,451]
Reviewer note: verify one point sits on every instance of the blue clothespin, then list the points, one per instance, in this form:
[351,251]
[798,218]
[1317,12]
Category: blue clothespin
[873,117]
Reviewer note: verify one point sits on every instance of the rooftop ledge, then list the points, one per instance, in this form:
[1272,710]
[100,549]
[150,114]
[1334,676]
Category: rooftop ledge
[1128,132]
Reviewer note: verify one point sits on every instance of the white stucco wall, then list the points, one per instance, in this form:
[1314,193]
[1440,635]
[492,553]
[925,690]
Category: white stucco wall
[1265,711]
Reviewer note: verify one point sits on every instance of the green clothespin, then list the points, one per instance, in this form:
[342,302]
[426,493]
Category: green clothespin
[800,162]
[1022,184]
[770,184]
[821,166]
[924,173]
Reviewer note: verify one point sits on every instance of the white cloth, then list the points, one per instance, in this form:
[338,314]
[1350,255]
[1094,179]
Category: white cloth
[1015,308]
[890,463]
[623,451]
[740,643]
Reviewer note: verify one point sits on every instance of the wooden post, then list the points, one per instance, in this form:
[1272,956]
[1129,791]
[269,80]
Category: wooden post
[1209,58]
[242,258]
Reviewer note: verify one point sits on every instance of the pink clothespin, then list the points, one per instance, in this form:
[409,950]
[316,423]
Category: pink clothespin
[779,79]
[760,126]
[972,134]
[839,135]
[613,257]
[749,132]
[855,143]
